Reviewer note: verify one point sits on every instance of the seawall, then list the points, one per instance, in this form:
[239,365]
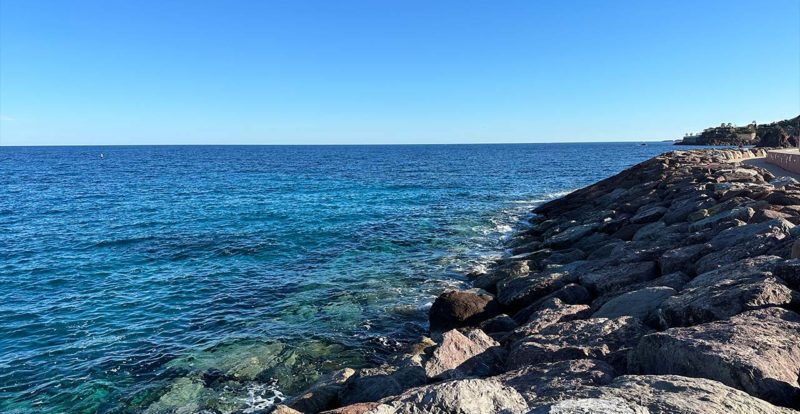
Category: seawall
[671,287]
[788,159]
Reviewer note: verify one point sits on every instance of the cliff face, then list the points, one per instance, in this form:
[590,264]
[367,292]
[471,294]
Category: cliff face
[670,287]
[777,134]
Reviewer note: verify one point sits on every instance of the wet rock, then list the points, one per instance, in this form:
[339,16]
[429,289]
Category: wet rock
[455,309]
[757,351]
[796,250]
[553,381]
[608,340]
[324,394]
[466,396]
[611,278]
[514,269]
[648,215]
[641,304]
[461,355]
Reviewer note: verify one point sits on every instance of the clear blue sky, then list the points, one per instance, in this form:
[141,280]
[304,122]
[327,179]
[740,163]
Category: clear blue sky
[330,72]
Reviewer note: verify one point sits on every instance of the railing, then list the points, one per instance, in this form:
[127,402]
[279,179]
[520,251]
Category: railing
[789,160]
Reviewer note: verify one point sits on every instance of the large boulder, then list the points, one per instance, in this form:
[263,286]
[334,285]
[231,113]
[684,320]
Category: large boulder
[456,309]
[466,396]
[572,294]
[641,304]
[519,292]
[608,340]
[757,352]
[605,279]
[372,384]
[651,394]
[550,312]
[570,236]
[741,234]
[648,214]
[725,292]
[461,355]
[683,258]
[553,381]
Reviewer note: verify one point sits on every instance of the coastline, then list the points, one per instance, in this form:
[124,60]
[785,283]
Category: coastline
[668,287]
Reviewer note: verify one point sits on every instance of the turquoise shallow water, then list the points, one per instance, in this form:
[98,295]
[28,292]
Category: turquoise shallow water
[219,279]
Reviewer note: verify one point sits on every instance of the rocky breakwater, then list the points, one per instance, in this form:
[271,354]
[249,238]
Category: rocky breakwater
[671,287]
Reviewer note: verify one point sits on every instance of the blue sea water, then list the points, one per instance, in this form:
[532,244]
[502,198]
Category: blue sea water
[220,279]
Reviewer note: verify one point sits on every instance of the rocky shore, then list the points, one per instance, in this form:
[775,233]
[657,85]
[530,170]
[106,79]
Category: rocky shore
[671,287]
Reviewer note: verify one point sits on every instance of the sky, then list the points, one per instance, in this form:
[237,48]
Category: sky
[113,72]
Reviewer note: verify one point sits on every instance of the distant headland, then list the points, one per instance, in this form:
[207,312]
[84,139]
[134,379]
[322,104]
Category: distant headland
[776,134]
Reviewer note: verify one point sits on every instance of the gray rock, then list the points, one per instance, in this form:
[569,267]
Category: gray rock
[553,381]
[498,325]
[725,292]
[738,213]
[789,272]
[372,384]
[610,405]
[641,304]
[461,355]
[572,294]
[648,215]
[570,236]
[757,352]
[611,278]
[682,259]
[608,340]
[650,231]
[651,394]
[740,234]
[514,269]
[466,396]
[522,291]
[549,313]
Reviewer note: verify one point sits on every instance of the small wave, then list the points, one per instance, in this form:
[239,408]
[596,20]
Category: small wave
[261,397]
[123,242]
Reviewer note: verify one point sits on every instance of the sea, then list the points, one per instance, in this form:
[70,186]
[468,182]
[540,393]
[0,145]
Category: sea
[224,279]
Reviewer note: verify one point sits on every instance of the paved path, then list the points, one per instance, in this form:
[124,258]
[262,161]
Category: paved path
[774,169]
